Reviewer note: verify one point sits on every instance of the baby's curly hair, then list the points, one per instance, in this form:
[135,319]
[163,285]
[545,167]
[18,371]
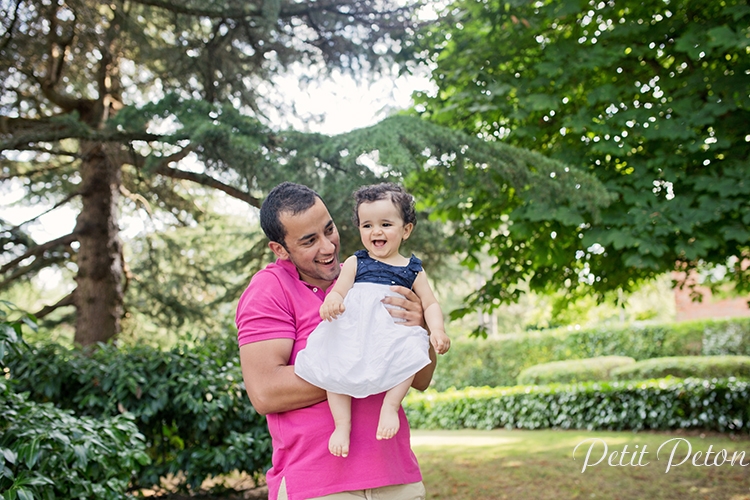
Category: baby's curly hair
[403,200]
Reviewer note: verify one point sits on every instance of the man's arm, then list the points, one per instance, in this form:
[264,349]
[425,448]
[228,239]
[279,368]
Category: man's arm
[270,382]
[413,315]
[424,376]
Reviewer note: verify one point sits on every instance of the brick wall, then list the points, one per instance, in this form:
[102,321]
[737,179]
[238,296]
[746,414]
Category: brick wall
[686,309]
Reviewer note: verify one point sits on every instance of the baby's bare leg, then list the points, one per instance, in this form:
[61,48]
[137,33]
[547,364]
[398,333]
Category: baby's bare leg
[388,424]
[341,409]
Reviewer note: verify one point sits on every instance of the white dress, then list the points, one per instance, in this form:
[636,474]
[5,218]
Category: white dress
[364,351]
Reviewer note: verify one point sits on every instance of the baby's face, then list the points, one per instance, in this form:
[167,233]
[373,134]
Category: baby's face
[381,228]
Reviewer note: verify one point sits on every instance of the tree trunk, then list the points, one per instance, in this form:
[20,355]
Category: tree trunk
[99,295]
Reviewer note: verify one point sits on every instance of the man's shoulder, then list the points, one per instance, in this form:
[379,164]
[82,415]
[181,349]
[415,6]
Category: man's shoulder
[276,272]
[269,283]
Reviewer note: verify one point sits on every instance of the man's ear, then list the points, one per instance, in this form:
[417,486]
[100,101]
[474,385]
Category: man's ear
[278,250]
[408,228]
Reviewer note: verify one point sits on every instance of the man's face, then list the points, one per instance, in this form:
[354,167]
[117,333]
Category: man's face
[312,244]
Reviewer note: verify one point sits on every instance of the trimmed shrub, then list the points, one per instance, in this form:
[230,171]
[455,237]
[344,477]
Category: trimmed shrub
[686,366]
[497,362]
[572,371]
[189,403]
[720,405]
[725,339]
[49,453]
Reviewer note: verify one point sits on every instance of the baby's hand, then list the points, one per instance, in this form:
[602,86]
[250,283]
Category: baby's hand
[332,307]
[440,341]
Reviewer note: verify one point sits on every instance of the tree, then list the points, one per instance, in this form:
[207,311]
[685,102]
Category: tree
[475,184]
[121,105]
[651,97]
[73,73]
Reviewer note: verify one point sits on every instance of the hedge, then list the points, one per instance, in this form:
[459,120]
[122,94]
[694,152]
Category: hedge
[720,404]
[686,366]
[572,371]
[189,403]
[498,361]
[49,453]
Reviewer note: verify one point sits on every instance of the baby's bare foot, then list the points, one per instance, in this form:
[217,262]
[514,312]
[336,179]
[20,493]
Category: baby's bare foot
[389,423]
[338,444]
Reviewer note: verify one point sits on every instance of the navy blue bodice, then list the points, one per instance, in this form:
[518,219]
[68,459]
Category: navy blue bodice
[370,270]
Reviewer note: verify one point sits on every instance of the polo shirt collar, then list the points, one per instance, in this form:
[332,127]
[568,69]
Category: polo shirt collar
[290,268]
[287,266]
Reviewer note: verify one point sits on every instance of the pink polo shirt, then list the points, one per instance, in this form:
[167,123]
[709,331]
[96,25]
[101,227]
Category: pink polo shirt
[277,304]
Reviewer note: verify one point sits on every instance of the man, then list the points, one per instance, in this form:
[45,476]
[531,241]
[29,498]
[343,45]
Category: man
[275,315]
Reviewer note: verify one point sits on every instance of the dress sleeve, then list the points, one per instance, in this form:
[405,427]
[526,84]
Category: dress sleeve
[415,264]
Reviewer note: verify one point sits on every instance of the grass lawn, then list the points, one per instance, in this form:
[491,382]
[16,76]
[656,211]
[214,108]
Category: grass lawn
[514,464]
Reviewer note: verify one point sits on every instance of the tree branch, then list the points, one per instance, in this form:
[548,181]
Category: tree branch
[37,265]
[68,300]
[58,46]
[47,131]
[208,181]
[205,180]
[39,249]
[56,206]
[30,173]
[11,27]
[247,10]
[52,152]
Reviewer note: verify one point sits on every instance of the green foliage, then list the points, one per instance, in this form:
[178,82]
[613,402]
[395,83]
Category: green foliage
[650,97]
[188,402]
[12,321]
[572,371]
[731,338]
[140,91]
[685,366]
[449,173]
[719,404]
[499,361]
[48,453]
[186,279]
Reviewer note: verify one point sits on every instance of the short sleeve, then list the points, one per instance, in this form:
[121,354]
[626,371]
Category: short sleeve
[415,264]
[263,311]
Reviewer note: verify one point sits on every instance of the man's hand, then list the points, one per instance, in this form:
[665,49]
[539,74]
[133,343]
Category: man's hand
[410,307]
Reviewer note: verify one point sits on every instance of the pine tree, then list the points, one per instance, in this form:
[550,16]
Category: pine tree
[75,127]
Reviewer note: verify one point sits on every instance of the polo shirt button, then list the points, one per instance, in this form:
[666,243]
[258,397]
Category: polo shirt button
[315,290]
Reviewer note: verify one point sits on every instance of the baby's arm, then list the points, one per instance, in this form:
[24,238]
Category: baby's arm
[433,315]
[333,305]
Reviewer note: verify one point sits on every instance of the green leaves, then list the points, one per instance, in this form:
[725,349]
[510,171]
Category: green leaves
[49,453]
[188,403]
[498,362]
[686,366]
[650,98]
[717,404]
[12,321]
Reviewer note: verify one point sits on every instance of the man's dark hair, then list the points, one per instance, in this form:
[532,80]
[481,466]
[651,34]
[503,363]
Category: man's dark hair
[386,190]
[286,197]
